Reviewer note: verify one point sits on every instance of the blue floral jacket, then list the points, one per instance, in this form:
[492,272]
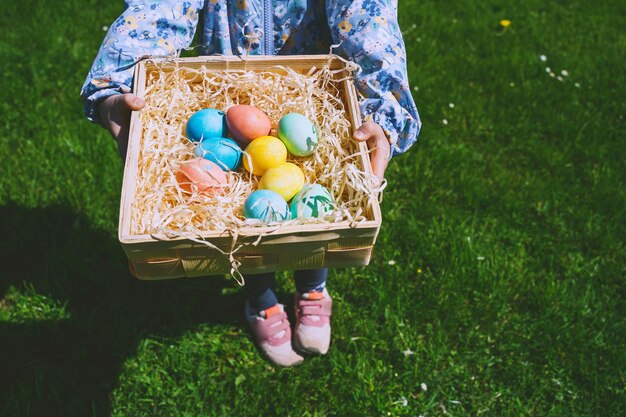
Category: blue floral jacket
[366,31]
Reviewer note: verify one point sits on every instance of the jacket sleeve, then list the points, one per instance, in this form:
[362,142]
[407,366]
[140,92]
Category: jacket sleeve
[146,28]
[368,34]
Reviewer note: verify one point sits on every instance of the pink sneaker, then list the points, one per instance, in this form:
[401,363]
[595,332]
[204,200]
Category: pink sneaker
[272,333]
[312,332]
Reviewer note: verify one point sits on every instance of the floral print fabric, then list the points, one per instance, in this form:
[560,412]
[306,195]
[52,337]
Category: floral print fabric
[363,31]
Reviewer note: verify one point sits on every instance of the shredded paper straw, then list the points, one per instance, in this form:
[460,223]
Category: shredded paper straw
[175,92]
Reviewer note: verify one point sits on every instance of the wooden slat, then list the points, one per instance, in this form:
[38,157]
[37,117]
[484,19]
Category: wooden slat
[129,182]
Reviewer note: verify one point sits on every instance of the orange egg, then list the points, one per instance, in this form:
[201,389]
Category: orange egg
[247,122]
[206,176]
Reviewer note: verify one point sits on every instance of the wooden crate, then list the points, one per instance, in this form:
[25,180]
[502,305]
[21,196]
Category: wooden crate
[290,248]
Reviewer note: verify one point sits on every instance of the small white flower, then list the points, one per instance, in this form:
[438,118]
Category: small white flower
[577,85]
[408,352]
[391,262]
[558,77]
[416,88]
[480,258]
[543,58]
[445,121]
[512,84]
[105,28]
[424,387]
[402,401]
[564,73]
[455,402]
[451,105]
[548,70]
[552,75]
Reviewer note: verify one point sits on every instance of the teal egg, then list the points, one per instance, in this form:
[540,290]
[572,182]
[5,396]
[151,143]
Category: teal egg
[206,123]
[222,151]
[267,206]
[313,200]
[298,134]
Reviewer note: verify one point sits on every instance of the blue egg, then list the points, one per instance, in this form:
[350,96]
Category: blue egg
[266,205]
[206,123]
[313,200]
[222,151]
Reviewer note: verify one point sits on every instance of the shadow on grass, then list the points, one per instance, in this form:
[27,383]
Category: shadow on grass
[70,366]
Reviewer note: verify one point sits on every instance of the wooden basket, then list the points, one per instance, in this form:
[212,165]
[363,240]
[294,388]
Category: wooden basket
[290,248]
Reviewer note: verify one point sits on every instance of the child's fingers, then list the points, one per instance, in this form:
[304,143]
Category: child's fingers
[115,116]
[380,155]
[366,131]
[132,102]
[378,144]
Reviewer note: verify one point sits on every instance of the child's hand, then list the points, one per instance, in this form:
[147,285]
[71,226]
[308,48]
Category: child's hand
[378,144]
[115,117]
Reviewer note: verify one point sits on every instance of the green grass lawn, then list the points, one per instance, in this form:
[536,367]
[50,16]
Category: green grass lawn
[497,287]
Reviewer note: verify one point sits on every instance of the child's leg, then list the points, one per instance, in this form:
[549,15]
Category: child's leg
[311,280]
[268,320]
[259,289]
[313,309]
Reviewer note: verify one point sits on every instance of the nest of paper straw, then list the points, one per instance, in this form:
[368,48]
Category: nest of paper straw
[173,93]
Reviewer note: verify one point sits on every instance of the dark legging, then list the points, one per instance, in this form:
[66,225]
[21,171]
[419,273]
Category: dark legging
[260,287]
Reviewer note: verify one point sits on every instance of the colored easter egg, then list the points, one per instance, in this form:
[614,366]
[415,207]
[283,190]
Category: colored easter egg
[203,175]
[298,134]
[313,200]
[206,123]
[222,151]
[246,123]
[286,179]
[266,205]
[265,152]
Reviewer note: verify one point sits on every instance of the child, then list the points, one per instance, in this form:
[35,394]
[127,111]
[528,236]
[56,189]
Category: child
[364,31]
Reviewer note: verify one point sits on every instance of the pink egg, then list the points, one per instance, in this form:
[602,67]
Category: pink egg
[207,176]
[246,123]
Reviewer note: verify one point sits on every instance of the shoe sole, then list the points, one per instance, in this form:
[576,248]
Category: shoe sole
[299,348]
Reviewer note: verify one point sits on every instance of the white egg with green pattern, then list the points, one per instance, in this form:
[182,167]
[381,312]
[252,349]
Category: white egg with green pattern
[313,201]
[298,134]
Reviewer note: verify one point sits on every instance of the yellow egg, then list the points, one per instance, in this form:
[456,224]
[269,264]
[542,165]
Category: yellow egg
[265,152]
[286,179]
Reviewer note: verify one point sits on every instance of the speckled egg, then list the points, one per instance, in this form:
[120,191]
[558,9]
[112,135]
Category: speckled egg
[267,206]
[222,151]
[206,123]
[201,175]
[264,152]
[298,134]
[313,200]
[286,179]
[245,123]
